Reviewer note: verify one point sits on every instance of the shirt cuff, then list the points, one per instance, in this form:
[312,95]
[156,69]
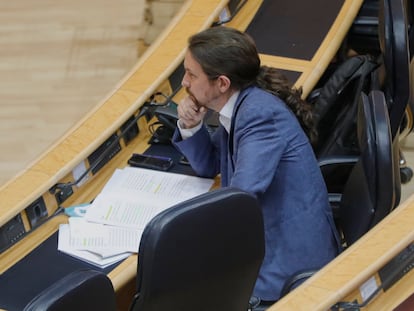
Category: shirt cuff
[187,133]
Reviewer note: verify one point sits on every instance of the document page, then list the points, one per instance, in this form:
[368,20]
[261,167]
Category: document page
[86,255]
[152,184]
[129,212]
[110,228]
[135,195]
[102,239]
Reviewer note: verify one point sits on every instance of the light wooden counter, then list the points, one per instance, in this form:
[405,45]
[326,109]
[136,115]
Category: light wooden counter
[337,281]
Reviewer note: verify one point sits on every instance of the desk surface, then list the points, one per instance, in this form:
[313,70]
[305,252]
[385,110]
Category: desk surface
[341,279]
[302,42]
[150,75]
[147,77]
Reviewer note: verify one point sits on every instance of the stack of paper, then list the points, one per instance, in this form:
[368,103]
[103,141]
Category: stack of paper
[112,225]
[97,244]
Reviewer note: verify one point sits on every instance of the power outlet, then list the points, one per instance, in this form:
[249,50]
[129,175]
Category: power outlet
[37,212]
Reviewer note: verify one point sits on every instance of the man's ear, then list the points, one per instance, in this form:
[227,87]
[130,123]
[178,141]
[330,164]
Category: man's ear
[224,83]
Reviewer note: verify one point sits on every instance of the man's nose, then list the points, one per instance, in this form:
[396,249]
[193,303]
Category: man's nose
[184,82]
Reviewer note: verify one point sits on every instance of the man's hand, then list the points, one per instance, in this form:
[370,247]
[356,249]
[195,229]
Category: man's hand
[189,113]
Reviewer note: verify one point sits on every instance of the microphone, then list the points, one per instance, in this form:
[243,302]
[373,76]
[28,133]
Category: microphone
[62,191]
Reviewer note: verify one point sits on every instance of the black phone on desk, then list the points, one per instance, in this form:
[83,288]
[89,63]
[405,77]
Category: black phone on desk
[150,161]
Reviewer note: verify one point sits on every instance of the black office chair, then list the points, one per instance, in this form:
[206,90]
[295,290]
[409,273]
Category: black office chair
[369,192]
[393,38]
[202,254]
[363,34]
[83,290]
[410,19]
[335,106]
[392,77]
[368,195]
[385,27]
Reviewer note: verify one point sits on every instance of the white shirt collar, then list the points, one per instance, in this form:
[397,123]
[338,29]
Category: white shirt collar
[226,112]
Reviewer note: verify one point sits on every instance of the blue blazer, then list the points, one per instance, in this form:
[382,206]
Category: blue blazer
[270,156]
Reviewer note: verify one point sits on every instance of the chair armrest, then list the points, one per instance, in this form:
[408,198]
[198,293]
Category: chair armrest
[335,171]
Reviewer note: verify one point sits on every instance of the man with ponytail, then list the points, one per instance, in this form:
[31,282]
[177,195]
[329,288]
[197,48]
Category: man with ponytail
[262,146]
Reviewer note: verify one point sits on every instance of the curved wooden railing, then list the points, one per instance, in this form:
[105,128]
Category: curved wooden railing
[343,279]
[55,166]
[152,69]
[338,281]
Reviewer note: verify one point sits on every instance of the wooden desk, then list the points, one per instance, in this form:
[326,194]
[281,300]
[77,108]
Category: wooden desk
[56,165]
[149,76]
[302,37]
[341,279]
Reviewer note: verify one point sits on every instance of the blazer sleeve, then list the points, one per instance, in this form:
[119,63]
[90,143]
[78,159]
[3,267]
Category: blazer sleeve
[200,151]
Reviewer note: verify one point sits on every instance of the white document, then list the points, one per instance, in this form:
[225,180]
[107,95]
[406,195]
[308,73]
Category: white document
[101,239]
[111,227]
[158,185]
[128,212]
[88,256]
[133,196]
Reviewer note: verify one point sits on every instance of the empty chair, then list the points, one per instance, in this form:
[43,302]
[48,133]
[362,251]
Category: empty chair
[335,106]
[368,195]
[410,19]
[363,34]
[385,27]
[409,118]
[393,38]
[202,254]
[83,290]
[335,114]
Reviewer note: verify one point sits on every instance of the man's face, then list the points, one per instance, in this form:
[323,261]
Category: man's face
[204,92]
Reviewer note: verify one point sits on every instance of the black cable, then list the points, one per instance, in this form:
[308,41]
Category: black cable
[145,111]
[355,306]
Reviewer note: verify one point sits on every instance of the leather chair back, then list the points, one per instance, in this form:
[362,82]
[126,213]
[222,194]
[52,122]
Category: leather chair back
[82,290]
[394,44]
[202,254]
[369,191]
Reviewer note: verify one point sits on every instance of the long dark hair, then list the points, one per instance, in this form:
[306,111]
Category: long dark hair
[227,51]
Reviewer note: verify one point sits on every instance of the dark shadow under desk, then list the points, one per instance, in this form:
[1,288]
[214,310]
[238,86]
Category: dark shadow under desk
[46,264]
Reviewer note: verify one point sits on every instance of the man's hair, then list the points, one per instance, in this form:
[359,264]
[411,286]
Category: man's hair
[227,51]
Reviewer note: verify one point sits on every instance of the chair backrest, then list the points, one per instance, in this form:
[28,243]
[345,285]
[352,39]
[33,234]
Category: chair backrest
[410,19]
[82,290]
[201,254]
[369,191]
[335,106]
[410,123]
[368,194]
[394,44]
[363,34]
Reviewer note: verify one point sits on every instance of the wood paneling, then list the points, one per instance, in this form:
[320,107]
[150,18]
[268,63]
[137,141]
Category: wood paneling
[59,59]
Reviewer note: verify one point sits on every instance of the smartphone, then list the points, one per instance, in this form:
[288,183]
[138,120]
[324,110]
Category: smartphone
[150,161]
